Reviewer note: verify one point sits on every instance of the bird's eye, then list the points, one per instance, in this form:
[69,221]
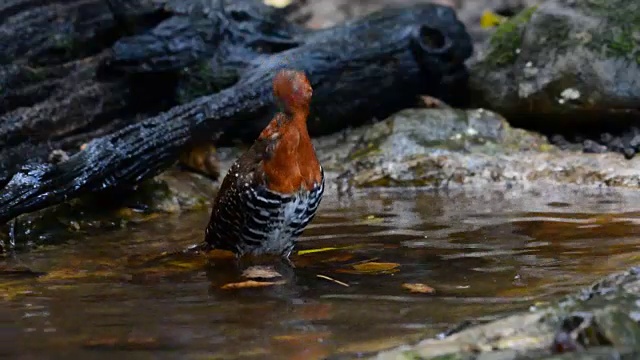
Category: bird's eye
[432,40]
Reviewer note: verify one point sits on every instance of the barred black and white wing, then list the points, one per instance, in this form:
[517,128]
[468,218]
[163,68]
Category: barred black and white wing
[273,221]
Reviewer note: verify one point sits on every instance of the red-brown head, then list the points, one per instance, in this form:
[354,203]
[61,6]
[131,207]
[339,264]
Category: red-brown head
[292,91]
[292,161]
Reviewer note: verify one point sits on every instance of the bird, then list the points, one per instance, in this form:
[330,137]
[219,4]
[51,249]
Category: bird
[273,190]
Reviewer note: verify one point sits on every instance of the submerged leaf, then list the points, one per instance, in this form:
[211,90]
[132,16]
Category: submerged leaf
[251,284]
[260,272]
[18,271]
[139,343]
[217,254]
[376,266]
[66,274]
[305,338]
[372,268]
[419,288]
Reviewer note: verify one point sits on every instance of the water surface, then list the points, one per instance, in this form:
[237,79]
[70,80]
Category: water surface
[116,294]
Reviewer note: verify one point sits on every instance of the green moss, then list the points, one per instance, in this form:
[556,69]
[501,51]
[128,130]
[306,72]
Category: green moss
[619,42]
[508,37]
[620,34]
[369,144]
[367,150]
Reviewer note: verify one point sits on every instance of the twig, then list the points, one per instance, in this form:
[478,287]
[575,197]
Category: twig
[332,279]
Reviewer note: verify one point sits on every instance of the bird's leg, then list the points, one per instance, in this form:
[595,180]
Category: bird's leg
[287,261]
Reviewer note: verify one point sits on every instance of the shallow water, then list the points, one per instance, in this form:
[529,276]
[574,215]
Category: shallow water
[119,294]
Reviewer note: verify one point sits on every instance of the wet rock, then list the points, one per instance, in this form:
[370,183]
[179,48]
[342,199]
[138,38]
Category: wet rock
[566,64]
[445,148]
[600,322]
[591,146]
[169,193]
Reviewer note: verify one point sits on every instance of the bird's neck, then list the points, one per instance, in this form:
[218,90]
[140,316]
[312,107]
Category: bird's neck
[292,165]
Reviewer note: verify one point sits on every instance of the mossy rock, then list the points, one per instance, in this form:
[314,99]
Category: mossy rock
[505,42]
[452,148]
[563,63]
[600,321]
[428,147]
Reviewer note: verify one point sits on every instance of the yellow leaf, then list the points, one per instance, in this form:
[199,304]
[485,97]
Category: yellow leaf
[330,248]
[490,19]
[311,251]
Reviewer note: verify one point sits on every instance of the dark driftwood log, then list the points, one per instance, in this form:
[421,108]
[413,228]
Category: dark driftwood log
[368,68]
[50,97]
[54,93]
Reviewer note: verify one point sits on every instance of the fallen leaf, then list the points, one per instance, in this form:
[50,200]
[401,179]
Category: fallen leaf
[75,274]
[338,258]
[250,284]
[330,248]
[217,254]
[372,268]
[430,102]
[419,288]
[312,251]
[376,266]
[260,272]
[302,337]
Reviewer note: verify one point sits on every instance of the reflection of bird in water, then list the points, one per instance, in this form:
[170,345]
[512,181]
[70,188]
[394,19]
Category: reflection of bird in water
[344,183]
